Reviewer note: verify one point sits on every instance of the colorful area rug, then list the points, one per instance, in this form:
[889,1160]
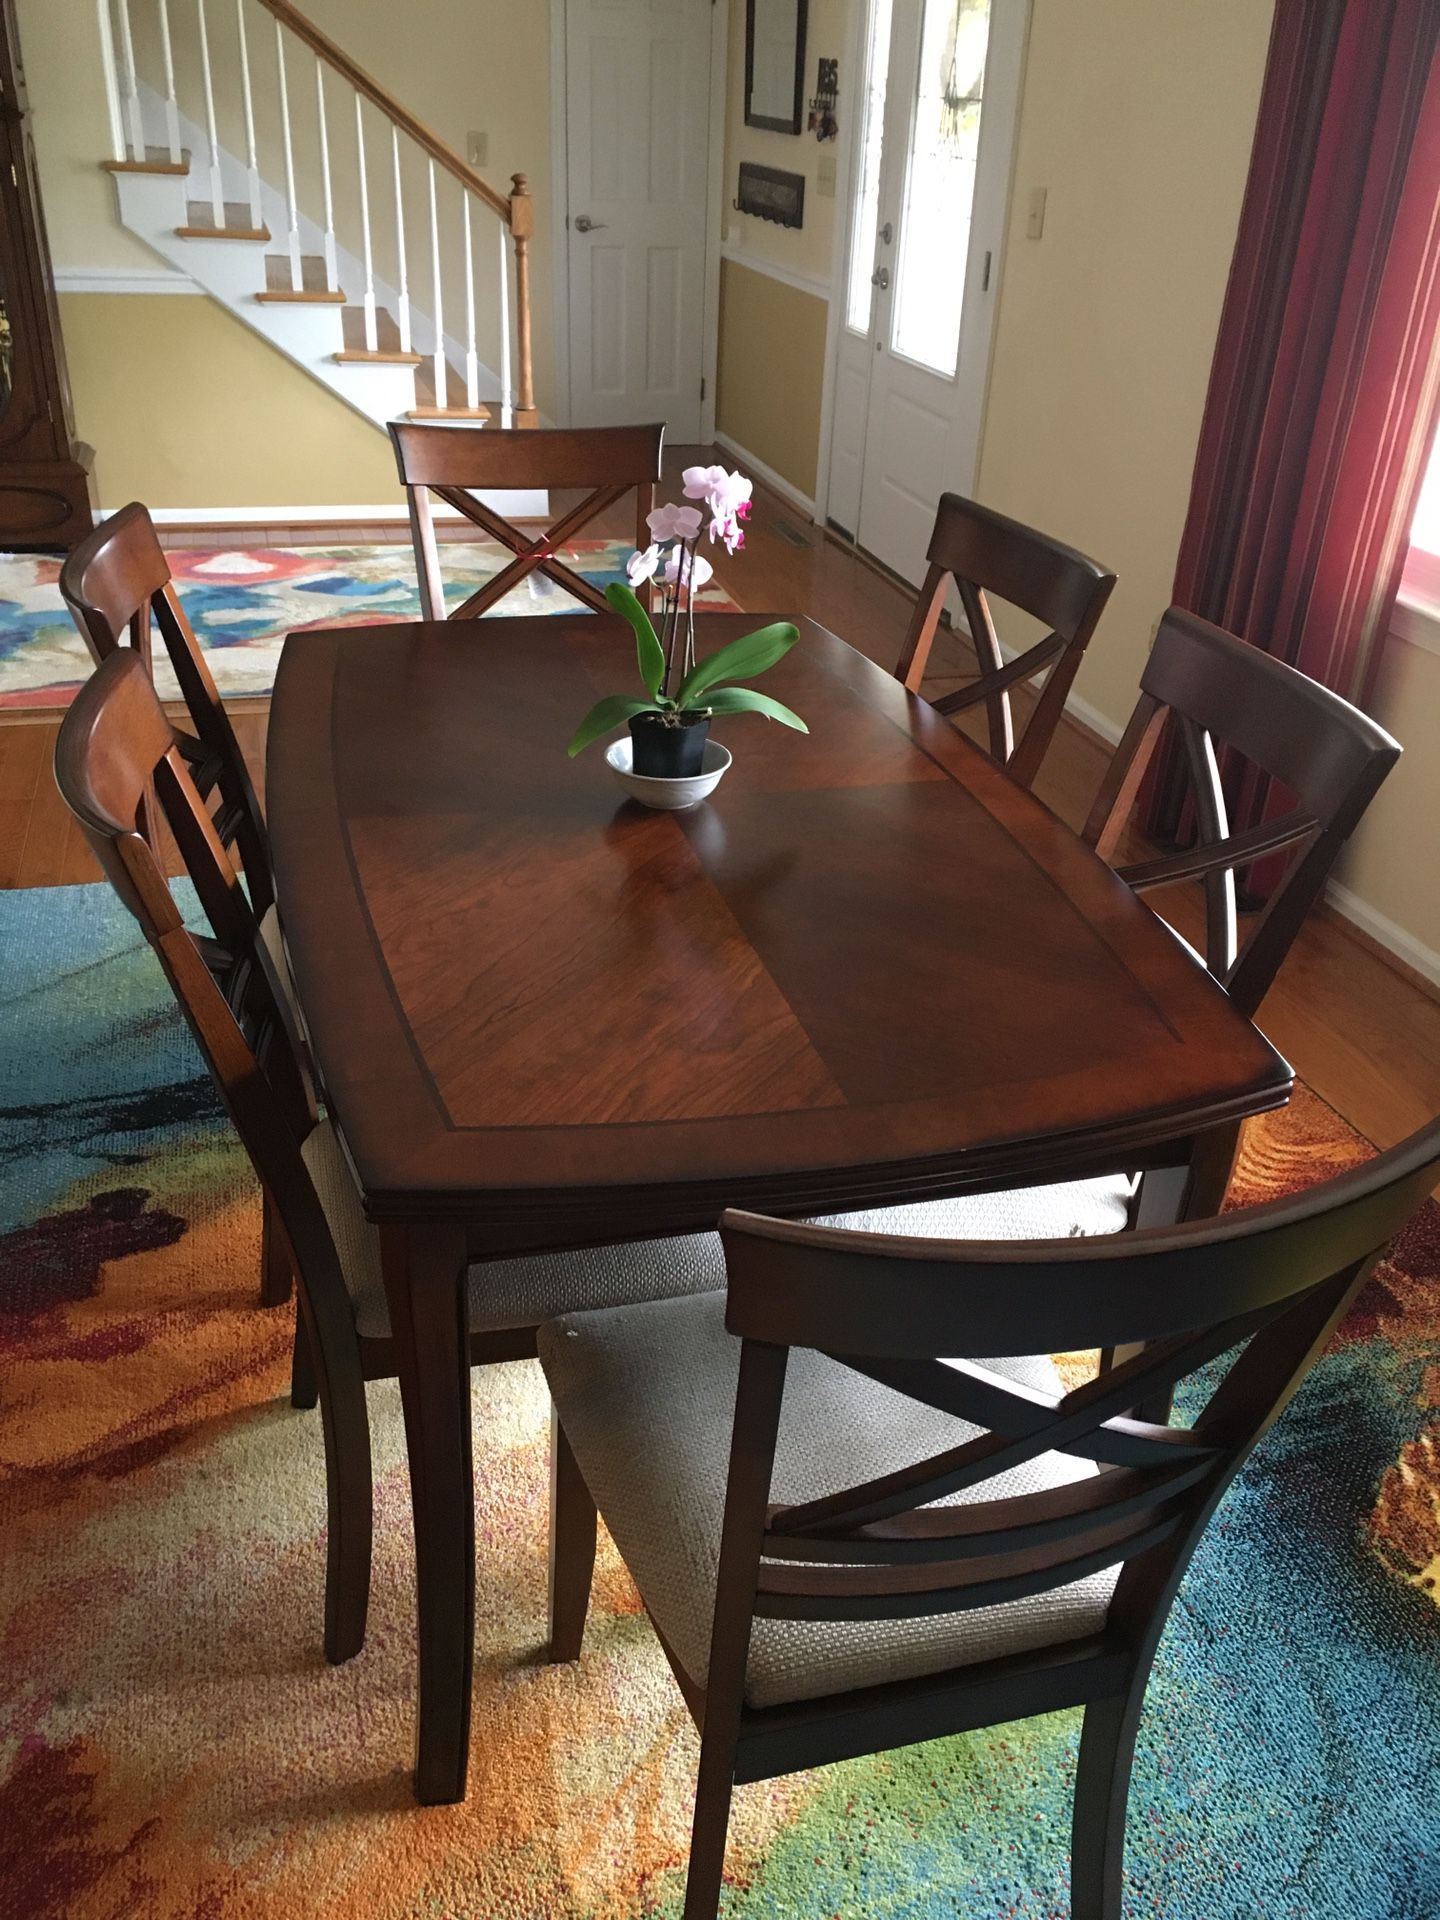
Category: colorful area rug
[172,1743]
[243,601]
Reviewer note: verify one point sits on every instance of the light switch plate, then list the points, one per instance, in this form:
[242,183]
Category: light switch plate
[1035,222]
[825,176]
[477,149]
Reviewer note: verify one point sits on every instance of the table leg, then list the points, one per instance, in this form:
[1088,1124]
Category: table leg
[1168,1195]
[424,1269]
[1195,1191]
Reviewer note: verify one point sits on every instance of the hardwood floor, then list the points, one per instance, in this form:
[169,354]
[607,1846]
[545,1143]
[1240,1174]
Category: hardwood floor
[1365,1037]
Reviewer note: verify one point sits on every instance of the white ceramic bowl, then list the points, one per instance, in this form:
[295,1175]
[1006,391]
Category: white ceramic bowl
[670,795]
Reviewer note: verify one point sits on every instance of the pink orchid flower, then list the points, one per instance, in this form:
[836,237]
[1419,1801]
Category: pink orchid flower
[641,565]
[727,495]
[673,523]
[701,482]
[696,573]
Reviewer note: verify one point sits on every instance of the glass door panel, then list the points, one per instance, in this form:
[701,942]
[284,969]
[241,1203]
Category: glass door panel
[939,191]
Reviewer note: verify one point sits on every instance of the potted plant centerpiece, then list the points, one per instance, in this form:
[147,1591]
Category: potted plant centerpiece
[669,723]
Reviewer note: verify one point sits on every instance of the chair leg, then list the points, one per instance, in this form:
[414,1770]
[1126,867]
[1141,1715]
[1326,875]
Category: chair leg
[348,1490]
[304,1387]
[572,1547]
[276,1267]
[712,1820]
[1102,1796]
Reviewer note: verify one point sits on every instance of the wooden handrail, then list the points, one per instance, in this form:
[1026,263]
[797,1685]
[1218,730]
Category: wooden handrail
[357,77]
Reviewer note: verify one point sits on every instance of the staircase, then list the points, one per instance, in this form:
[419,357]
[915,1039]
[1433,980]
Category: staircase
[254,155]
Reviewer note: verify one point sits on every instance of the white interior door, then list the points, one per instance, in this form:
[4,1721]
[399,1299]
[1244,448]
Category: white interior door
[637,82]
[940,95]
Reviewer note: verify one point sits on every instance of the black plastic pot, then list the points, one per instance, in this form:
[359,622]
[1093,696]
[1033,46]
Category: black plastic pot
[668,751]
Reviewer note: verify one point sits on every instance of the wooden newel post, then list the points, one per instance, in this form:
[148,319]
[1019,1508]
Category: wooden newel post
[522,225]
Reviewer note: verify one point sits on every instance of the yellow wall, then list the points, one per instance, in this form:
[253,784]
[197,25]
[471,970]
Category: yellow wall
[1137,119]
[768,397]
[806,250]
[178,396]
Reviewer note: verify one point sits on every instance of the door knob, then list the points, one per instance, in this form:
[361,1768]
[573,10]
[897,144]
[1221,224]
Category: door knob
[584,224]
[880,278]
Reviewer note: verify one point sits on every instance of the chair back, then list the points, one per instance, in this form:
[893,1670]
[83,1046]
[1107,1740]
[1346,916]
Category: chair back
[1224,692]
[453,462]
[117,585]
[985,554]
[1271,1281]
[113,743]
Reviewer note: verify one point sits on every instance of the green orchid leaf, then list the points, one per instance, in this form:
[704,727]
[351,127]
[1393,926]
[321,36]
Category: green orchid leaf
[613,711]
[648,650]
[747,700]
[741,660]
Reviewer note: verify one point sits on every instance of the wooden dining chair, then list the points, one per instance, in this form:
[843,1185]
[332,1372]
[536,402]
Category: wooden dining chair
[119,589]
[907,1546]
[454,462]
[114,741]
[1332,758]
[983,555]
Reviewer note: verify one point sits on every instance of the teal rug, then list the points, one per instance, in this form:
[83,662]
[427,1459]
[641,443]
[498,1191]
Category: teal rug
[172,1744]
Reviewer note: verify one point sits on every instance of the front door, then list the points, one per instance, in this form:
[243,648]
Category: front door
[937,123]
[637,82]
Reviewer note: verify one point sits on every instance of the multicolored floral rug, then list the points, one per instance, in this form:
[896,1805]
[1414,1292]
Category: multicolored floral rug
[172,1744]
[242,601]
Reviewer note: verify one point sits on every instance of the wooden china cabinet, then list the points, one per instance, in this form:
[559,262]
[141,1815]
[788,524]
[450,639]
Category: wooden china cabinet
[45,496]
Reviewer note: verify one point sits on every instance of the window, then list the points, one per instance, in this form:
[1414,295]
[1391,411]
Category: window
[1422,569]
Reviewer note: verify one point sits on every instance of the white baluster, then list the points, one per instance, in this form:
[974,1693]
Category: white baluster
[505,388]
[442,397]
[292,202]
[472,359]
[404,291]
[372,337]
[172,110]
[106,27]
[217,191]
[130,85]
[252,157]
[332,275]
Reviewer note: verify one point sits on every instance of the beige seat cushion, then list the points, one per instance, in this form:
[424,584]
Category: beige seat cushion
[647,1398]
[508,1293]
[1070,1210]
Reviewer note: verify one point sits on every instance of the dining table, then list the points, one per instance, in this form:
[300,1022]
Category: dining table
[871,969]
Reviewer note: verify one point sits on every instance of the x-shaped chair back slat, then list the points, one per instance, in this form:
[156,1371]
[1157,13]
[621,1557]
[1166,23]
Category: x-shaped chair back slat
[984,554]
[1265,1287]
[118,587]
[457,463]
[1223,692]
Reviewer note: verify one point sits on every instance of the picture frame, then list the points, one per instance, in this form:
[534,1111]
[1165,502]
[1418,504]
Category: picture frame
[775,64]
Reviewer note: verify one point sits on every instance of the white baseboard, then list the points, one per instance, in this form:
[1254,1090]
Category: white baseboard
[759,470]
[1094,719]
[1424,960]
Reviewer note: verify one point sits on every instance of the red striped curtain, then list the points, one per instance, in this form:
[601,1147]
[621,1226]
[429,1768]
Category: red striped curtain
[1323,392]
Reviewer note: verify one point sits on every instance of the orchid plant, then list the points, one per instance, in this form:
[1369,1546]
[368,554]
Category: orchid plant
[679,689]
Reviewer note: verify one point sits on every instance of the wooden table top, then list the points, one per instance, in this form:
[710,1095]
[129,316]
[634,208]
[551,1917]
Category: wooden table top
[870,968]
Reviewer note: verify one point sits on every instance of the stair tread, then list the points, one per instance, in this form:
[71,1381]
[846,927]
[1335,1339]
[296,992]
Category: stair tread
[157,160]
[278,297]
[200,223]
[381,357]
